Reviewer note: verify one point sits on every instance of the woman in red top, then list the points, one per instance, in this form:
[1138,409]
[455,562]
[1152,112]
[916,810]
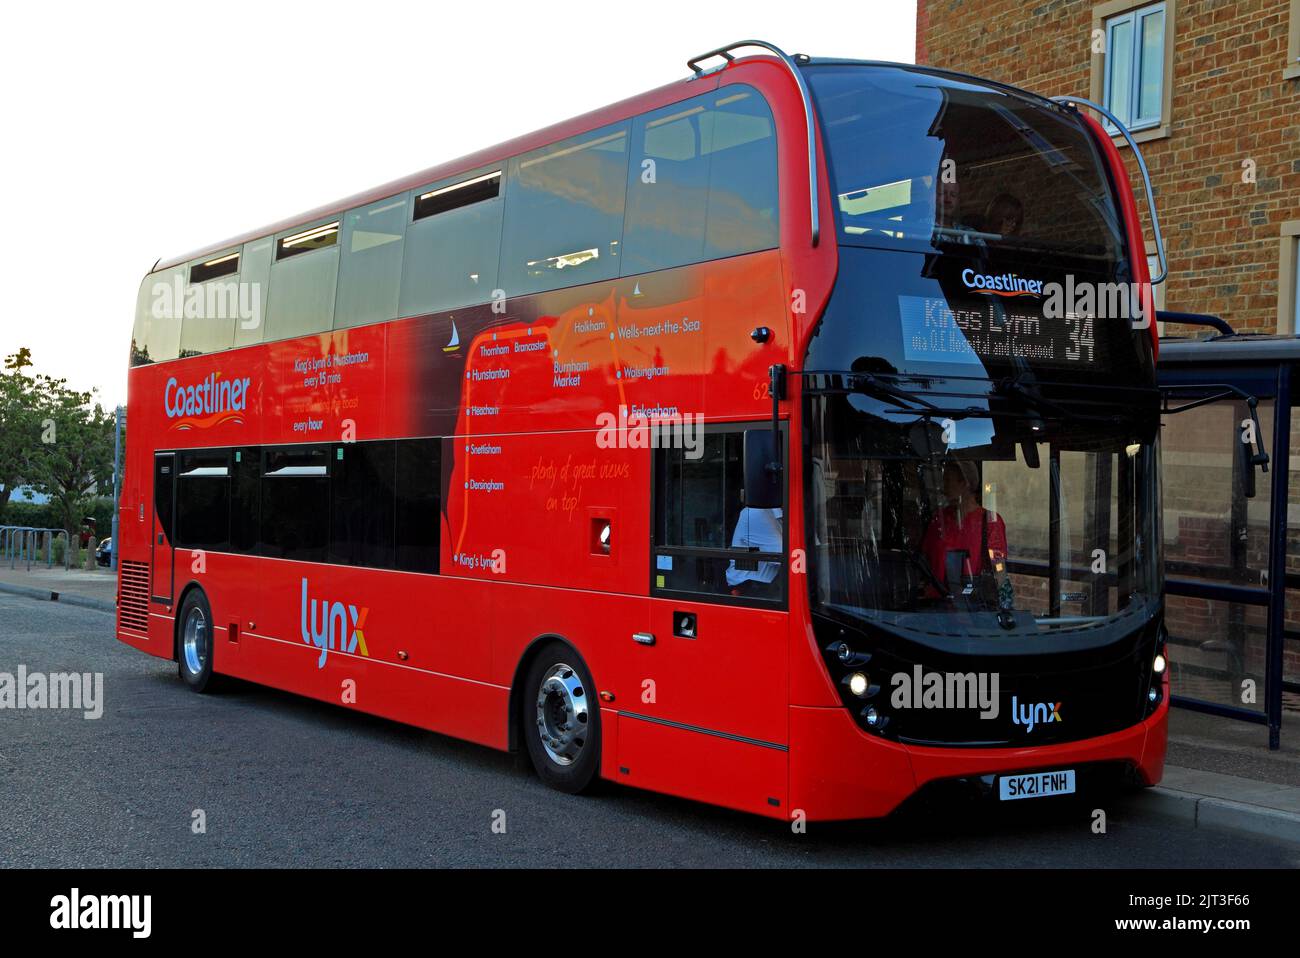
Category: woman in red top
[963,527]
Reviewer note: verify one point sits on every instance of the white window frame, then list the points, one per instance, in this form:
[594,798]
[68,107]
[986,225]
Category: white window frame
[1136,18]
[1288,276]
[1292,69]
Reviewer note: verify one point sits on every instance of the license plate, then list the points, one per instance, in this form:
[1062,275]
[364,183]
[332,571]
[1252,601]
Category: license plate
[1035,785]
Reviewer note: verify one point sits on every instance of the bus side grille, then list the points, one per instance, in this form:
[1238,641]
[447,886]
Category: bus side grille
[133,604]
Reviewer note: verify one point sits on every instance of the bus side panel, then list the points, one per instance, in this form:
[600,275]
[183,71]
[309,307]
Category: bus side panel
[709,768]
[598,625]
[474,711]
[838,772]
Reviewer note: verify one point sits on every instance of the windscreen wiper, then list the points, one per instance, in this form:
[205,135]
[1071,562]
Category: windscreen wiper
[873,385]
[1013,387]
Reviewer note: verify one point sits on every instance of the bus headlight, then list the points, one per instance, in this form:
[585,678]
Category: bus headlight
[871,716]
[859,683]
[1159,664]
[844,653]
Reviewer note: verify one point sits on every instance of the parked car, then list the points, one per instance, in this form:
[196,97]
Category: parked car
[104,554]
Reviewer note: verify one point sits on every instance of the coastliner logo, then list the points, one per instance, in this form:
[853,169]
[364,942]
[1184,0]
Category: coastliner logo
[212,402]
[333,625]
[1039,713]
[1003,284]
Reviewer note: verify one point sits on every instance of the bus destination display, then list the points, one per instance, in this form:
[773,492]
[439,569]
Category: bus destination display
[936,330]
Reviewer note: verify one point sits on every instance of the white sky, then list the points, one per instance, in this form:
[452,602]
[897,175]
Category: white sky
[135,131]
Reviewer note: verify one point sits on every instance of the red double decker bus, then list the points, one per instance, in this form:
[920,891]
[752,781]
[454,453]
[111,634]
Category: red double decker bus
[729,442]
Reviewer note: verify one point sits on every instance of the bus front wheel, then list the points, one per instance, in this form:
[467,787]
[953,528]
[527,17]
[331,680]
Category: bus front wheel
[194,642]
[561,719]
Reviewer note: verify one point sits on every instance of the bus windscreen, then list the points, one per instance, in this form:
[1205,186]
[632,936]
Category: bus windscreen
[927,162]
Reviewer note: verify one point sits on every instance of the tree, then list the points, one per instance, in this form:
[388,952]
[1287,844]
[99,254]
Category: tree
[19,426]
[74,456]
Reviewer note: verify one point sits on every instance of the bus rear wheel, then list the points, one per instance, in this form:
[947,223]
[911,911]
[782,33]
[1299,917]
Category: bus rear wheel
[194,642]
[561,719]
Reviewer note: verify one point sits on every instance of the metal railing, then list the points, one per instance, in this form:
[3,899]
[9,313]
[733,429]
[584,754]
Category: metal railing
[1078,101]
[726,53]
[25,543]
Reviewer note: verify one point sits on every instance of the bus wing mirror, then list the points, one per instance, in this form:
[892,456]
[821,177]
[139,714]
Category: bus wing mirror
[1253,454]
[762,469]
[1247,468]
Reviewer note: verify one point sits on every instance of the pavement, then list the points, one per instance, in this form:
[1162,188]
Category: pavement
[1220,775]
[92,589]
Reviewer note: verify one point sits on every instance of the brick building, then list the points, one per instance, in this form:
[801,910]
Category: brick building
[1211,90]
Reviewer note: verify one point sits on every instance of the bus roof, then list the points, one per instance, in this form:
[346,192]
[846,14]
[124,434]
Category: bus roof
[594,119]
[622,109]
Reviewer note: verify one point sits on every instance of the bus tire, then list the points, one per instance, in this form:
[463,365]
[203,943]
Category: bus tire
[194,642]
[560,719]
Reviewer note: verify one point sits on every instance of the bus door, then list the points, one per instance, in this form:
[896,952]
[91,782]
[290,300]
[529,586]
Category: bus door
[162,574]
[712,688]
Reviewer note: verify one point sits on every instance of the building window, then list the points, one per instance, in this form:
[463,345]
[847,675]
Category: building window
[1133,68]
[1288,285]
[1292,69]
[1135,46]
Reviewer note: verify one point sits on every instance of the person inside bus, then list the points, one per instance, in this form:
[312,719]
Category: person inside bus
[761,531]
[964,541]
[1004,215]
[949,224]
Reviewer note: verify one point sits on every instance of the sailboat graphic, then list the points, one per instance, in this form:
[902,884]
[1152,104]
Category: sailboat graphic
[453,344]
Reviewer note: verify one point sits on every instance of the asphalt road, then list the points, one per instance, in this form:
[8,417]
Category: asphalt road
[284,781]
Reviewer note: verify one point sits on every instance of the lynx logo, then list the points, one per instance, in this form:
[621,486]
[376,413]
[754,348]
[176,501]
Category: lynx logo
[333,622]
[1040,713]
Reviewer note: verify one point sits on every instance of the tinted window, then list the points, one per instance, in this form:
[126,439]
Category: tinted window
[922,162]
[164,469]
[295,503]
[743,209]
[209,324]
[564,212]
[254,291]
[303,282]
[245,499]
[699,505]
[702,182]
[667,190]
[452,250]
[227,264]
[304,241]
[419,483]
[203,500]
[362,509]
[370,272]
[156,336]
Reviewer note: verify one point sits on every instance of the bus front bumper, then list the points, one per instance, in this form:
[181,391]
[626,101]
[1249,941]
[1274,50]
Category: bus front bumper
[838,771]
